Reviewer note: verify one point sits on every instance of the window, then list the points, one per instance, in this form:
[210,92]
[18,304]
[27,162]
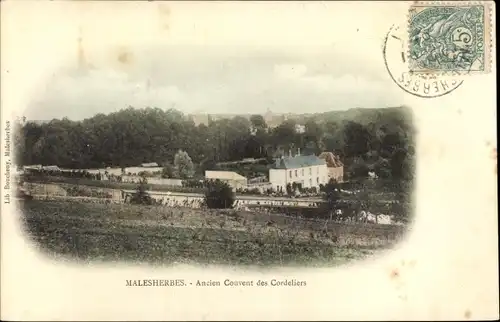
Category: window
[296,173]
[302,172]
[310,182]
[290,174]
[310,171]
[317,170]
[317,179]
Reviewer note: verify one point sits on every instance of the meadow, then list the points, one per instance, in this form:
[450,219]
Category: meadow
[165,235]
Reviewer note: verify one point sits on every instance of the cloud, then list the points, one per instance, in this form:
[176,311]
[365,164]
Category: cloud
[99,91]
[290,71]
[219,80]
[346,83]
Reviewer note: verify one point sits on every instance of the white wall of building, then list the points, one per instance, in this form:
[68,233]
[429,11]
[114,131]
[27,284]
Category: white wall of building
[307,176]
[336,173]
[277,178]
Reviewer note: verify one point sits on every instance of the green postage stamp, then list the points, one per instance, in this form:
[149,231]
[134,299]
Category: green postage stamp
[450,37]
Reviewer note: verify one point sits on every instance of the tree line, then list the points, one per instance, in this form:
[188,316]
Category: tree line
[378,140]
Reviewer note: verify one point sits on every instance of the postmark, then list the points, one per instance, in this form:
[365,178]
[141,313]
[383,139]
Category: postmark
[447,38]
[422,85]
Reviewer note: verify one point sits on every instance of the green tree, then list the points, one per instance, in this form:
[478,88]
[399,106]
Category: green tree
[258,121]
[284,134]
[313,137]
[357,169]
[382,168]
[183,164]
[332,196]
[403,208]
[219,195]
[366,139]
[19,140]
[141,196]
[168,171]
[357,139]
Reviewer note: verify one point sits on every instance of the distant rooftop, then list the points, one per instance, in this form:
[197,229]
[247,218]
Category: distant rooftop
[298,161]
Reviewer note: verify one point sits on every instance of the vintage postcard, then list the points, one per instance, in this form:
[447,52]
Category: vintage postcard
[248,161]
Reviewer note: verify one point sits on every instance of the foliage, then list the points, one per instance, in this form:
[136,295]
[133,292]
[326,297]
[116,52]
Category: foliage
[258,121]
[168,171]
[141,196]
[219,195]
[253,191]
[183,164]
[332,196]
[379,140]
[192,183]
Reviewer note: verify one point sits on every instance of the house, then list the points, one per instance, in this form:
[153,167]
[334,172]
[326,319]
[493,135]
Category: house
[306,170]
[232,178]
[335,166]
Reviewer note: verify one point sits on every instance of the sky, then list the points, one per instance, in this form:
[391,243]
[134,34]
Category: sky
[215,63]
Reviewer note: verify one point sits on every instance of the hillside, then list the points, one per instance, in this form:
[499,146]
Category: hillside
[380,140]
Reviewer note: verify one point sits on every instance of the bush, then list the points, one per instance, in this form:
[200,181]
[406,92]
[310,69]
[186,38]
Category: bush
[332,196]
[193,183]
[141,196]
[168,171]
[219,195]
[255,191]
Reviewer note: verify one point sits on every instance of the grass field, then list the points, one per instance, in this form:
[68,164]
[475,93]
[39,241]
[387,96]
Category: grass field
[162,235]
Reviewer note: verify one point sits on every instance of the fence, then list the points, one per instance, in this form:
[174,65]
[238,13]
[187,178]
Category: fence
[151,180]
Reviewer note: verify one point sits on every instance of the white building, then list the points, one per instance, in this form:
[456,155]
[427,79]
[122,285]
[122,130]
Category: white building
[307,170]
